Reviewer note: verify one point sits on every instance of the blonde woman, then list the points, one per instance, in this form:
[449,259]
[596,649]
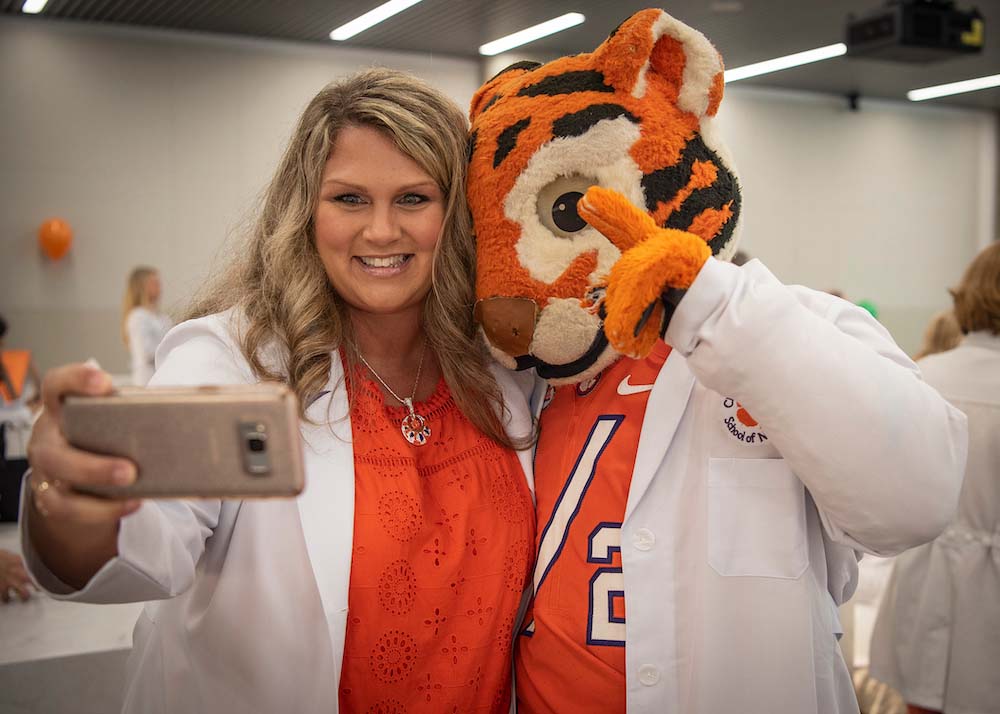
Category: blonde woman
[394,582]
[143,325]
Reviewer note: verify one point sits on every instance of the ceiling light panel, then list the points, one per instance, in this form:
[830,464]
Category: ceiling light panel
[530,34]
[945,90]
[33,7]
[369,19]
[788,61]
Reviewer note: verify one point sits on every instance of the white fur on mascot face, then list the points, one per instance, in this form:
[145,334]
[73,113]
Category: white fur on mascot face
[634,116]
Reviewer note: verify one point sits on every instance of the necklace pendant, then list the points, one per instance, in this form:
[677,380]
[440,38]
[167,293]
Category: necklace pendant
[415,429]
[414,426]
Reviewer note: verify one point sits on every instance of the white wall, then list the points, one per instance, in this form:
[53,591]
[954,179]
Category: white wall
[887,204]
[154,147]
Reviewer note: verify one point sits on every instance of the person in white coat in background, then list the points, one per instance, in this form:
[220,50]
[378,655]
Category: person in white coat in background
[143,325]
[394,582]
[937,636]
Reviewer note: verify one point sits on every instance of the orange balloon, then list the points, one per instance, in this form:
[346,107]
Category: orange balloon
[55,236]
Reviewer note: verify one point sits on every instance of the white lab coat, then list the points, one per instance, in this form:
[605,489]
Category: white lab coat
[732,572]
[249,597]
[145,329]
[735,552]
[937,637]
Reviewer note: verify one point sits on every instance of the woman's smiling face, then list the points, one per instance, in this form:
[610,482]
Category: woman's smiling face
[377,223]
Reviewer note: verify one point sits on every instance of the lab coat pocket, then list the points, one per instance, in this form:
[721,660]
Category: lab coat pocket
[756,519]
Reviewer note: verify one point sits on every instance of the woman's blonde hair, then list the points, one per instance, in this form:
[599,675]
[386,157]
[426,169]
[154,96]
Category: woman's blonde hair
[136,294]
[977,297]
[942,334]
[281,286]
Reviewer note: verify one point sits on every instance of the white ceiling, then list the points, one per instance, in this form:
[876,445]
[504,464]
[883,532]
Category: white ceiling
[756,30]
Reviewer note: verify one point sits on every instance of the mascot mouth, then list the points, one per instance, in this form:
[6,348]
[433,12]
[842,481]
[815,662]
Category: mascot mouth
[562,371]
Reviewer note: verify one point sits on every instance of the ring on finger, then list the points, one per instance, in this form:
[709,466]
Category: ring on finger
[38,490]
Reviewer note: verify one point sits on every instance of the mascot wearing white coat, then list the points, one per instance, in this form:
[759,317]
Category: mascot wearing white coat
[716,449]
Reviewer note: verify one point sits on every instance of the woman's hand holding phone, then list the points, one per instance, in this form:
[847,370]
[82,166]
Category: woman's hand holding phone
[73,533]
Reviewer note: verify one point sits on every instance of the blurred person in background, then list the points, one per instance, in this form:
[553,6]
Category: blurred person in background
[143,325]
[942,334]
[937,636]
[19,382]
[18,395]
[20,399]
[876,697]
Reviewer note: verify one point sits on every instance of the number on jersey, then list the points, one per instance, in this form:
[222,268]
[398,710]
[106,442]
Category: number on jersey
[607,584]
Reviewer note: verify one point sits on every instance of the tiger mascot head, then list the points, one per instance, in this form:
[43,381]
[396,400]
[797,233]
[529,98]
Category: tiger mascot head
[598,188]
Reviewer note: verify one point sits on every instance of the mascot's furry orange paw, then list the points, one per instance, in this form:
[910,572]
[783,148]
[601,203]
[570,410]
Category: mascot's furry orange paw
[653,261]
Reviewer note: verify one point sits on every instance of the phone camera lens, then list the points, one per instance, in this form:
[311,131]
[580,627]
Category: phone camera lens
[256,444]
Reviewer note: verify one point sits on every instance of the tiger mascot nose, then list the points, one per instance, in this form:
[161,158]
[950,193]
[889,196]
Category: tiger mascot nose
[509,323]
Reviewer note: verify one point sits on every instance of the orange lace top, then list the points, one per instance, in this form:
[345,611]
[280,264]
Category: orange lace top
[443,548]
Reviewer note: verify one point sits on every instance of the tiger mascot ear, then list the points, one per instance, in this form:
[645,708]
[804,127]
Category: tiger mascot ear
[652,48]
[489,92]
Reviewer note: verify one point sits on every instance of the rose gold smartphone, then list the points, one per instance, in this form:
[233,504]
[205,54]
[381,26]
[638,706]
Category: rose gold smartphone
[231,441]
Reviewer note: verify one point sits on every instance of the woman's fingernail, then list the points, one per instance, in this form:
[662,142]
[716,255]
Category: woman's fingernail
[123,475]
[97,381]
[131,506]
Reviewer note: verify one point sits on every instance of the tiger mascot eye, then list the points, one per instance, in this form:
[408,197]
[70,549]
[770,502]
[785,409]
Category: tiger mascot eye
[598,189]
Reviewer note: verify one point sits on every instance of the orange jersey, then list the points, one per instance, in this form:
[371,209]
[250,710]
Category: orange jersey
[571,649]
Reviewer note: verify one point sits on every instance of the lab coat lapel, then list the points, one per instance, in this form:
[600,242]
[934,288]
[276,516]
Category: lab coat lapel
[326,506]
[664,410]
[518,421]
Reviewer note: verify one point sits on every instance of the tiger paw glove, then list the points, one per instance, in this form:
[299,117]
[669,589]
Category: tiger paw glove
[657,265]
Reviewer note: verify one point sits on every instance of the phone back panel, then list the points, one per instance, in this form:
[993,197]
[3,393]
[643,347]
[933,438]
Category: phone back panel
[232,441]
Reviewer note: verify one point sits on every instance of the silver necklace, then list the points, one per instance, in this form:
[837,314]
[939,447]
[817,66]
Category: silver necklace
[414,426]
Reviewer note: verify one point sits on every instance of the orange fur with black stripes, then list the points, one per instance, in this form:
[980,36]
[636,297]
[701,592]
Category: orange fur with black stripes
[598,189]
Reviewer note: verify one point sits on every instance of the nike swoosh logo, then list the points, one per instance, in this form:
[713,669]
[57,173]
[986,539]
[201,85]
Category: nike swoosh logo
[625,389]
